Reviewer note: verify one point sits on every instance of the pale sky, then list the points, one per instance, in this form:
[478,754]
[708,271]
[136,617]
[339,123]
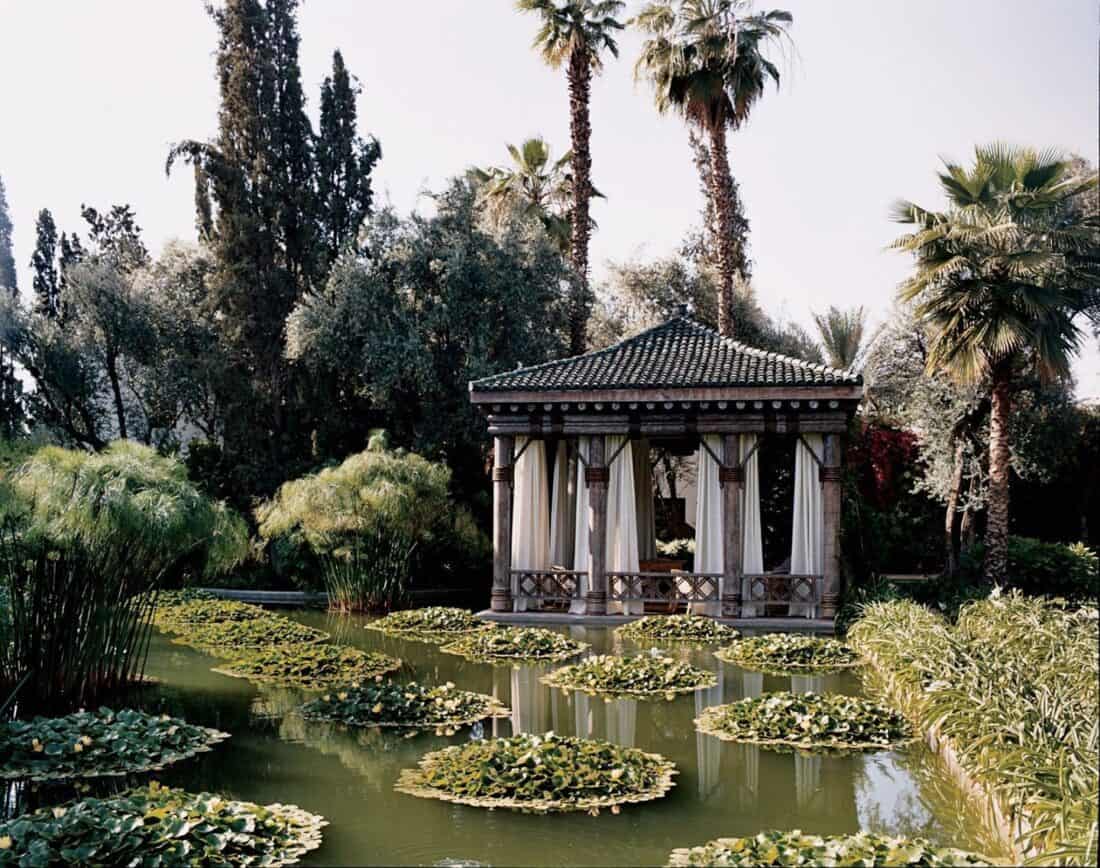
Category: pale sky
[94,93]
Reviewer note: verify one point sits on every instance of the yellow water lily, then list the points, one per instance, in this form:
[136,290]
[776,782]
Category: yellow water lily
[5,842]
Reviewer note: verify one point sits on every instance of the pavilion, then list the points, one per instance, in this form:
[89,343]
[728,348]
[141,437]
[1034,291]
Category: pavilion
[573,506]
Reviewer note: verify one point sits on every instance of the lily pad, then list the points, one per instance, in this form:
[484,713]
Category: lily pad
[696,629]
[430,624]
[643,676]
[156,825]
[540,774]
[515,643]
[317,666]
[796,848]
[98,744]
[808,721]
[404,705]
[227,638]
[181,614]
[789,652]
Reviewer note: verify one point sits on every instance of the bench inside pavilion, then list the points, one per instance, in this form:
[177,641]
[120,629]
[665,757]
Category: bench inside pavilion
[572,493]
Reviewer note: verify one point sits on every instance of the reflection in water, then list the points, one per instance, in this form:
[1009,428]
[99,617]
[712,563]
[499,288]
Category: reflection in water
[347,775]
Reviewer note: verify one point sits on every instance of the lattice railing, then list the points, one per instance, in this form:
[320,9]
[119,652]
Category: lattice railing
[548,586]
[664,587]
[784,588]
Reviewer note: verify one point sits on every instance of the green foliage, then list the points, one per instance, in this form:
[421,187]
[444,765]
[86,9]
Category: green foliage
[515,643]
[796,848]
[158,826]
[807,721]
[98,743]
[677,628]
[404,705]
[180,612]
[316,666]
[1054,569]
[789,652]
[540,774]
[841,333]
[229,638]
[643,676]
[430,624]
[1014,691]
[364,518]
[83,537]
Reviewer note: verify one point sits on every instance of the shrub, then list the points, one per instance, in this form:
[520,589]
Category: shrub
[155,825]
[1036,567]
[369,524]
[539,774]
[1013,691]
[83,539]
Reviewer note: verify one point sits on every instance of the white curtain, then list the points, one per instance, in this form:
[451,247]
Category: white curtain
[622,521]
[530,512]
[708,750]
[752,544]
[807,533]
[643,490]
[622,721]
[563,507]
[581,553]
[709,550]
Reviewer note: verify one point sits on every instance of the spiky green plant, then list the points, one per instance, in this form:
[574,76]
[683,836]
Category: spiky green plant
[363,519]
[84,539]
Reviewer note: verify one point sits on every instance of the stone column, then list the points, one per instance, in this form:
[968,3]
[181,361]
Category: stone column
[732,477]
[596,477]
[502,524]
[830,483]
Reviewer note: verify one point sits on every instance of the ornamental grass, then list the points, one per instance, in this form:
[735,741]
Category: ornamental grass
[780,653]
[97,744]
[540,774]
[1010,697]
[317,666]
[156,825]
[227,638]
[807,721]
[509,644]
[642,676]
[430,624]
[413,706]
[796,848]
[677,628]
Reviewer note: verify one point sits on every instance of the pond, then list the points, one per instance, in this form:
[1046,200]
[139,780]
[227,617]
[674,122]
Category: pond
[723,789]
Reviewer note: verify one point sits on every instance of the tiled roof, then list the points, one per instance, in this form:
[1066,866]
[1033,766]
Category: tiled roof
[678,354]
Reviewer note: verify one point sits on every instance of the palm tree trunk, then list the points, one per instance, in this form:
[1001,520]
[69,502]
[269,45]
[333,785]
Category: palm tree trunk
[721,191]
[951,519]
[996,529]
[580,129]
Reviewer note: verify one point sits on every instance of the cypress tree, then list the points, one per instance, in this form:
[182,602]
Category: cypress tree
[8,279]
[11,404]
[46,280]
[344,163]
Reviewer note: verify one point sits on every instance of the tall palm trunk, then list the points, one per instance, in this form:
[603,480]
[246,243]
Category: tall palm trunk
[580,128]
[996,530]
[721,191]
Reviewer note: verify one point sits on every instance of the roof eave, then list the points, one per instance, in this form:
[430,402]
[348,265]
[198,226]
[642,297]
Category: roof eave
[769,392]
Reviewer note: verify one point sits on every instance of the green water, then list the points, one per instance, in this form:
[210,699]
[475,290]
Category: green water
[722,789]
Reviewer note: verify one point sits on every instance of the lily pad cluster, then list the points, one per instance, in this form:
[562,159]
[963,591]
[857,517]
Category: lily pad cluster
[789,652]
[315,665]
[404,705]
[516,643]
[156,825]
[796,848]
[225,638]
[430,624]
[98,743]
[178,614]
[540,774]
[677,628]
[644,675]
[807,721]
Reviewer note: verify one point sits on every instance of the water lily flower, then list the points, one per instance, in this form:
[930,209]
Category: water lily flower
[5,842]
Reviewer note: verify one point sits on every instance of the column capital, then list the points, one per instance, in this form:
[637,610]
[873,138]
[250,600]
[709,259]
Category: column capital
[597,475]
[503,474]
[830,474]
[731,474]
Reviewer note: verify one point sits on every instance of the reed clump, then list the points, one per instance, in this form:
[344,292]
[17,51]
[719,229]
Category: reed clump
[1010,694]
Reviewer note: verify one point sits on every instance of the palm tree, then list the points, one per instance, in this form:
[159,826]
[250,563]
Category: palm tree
[574,34]
[998,283]
[841,334]
[538,185]
[707,63]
